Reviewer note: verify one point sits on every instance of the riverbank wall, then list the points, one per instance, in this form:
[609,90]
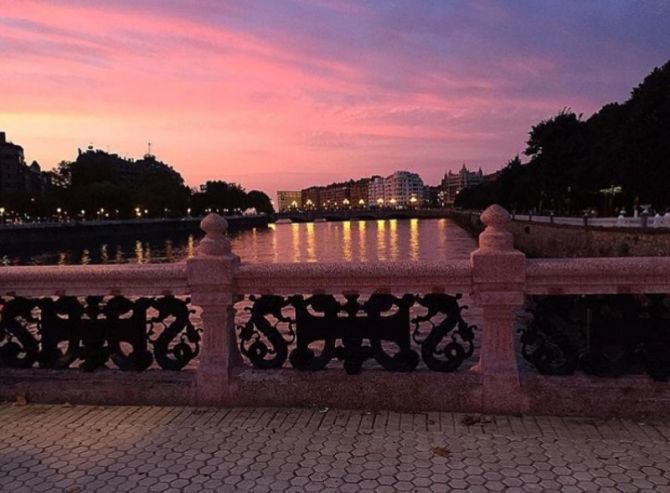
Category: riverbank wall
[542,240]
[47,232]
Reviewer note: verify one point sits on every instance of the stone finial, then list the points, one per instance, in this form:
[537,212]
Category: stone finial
[495,216]
[496,236]
[215,241]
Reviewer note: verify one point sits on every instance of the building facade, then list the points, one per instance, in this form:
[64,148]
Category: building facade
[400,190]
[376,197]
[15,175]
[453,183]
[403,189]
[289,201]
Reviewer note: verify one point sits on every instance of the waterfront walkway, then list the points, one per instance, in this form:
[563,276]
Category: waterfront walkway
[77,449]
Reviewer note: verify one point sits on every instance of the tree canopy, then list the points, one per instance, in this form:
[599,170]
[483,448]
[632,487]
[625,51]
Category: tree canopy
[570,160]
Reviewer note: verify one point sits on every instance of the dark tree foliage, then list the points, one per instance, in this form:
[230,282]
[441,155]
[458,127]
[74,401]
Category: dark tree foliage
[571,160]
[106,185]
[227,198]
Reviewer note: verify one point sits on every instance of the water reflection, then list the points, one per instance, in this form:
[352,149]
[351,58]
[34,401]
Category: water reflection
[104,256]
[362,241]
[346,240]
[362,244]
[295,237]
[414,239]
[393,239]
[381,239]
[311,249]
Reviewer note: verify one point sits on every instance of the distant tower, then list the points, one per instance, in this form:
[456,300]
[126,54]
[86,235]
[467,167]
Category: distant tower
[148,155]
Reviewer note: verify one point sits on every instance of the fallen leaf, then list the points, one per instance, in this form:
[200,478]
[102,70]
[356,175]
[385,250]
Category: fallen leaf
[470,419]
[441,451]
[323,410]
[21,398]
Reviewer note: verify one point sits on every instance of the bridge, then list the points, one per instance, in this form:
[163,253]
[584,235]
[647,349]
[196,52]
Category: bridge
[361,214]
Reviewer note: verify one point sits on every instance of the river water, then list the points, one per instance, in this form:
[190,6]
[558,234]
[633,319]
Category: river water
[350,241]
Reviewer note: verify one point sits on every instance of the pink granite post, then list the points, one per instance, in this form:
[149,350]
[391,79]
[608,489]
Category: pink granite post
[498,272]
[211,275]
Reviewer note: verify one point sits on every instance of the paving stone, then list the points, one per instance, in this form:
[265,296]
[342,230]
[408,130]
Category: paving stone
[95,449]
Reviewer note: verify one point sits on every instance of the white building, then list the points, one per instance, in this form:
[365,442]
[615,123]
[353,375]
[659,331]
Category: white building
[376,196]
[403,189]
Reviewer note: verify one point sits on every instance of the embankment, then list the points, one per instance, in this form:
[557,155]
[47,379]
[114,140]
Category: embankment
[541,240]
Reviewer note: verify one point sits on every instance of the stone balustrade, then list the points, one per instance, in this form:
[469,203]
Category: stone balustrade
[256,334]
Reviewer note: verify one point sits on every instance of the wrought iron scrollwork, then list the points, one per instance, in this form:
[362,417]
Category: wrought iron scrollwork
[67,331]
[444,316]
[605,335]
[260,338]
[319,328]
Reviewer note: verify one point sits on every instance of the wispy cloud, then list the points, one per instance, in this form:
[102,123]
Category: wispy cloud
[282,93]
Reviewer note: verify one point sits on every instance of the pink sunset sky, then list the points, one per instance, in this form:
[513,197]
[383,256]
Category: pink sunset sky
[285,94]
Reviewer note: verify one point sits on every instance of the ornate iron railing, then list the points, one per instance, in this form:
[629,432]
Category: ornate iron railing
[94,331]
[311,331]
[603,335]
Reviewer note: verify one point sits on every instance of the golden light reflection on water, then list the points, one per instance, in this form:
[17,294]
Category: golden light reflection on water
[190,246]
[139,252]
[295,241]
[365,241]
[346,240]
[414,239]
[393,239]
[311,242]
[362,244]
[381,240]
[273,246]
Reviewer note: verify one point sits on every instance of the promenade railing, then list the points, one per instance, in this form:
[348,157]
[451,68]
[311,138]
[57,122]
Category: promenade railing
[537,336]
[648,222]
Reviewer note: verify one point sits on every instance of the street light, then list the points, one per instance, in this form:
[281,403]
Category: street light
[413,200]
[345,202]
[361,203]
[380,202]
[607,192]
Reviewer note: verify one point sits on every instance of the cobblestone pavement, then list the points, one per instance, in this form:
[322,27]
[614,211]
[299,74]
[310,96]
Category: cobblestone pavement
[153,449]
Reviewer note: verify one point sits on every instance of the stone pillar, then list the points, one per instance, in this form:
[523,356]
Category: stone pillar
[211,276]
[498,281]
